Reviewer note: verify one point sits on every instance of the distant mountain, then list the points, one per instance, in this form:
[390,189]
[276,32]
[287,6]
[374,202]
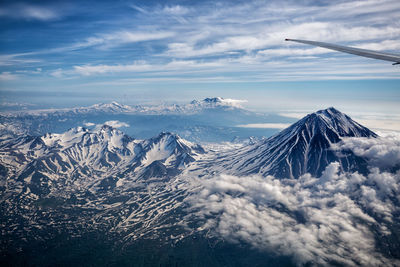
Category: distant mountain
[113,107]
[194,106]
[304,147]
[208,120]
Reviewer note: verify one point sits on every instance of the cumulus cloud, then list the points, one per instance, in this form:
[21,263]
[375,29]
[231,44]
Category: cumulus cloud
[116,124]
[326,220]
[382,152]
[232,102]
[89,124]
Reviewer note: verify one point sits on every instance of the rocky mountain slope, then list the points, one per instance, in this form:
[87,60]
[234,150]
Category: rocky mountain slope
[304,147]
[81,158]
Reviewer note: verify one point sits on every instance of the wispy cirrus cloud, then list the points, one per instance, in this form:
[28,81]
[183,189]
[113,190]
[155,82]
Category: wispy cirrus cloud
[101,41]
[29,12]
[8,76]
[364,9]
[137,67]
[17,59]
[171,41]
[110,40]
[101,69]
[176,10]
[253,68]
[270,38]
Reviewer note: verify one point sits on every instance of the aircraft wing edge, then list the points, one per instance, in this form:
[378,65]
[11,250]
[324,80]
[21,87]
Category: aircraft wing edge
[353,50]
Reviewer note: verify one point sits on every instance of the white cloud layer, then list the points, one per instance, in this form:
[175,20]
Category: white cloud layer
[89,124]
[232,102]
[383,152]
[116,124]
[334,219]
[320,221]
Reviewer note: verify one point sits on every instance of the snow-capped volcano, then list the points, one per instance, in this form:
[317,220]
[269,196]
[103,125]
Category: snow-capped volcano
[114,107]
[304,147]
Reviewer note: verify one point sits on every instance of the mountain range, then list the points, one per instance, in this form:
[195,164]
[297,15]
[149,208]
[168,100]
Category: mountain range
[83,158]
[193,107]
[208,120]
[132,192]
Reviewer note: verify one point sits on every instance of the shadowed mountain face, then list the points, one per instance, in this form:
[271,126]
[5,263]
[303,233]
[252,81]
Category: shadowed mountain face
[304,147]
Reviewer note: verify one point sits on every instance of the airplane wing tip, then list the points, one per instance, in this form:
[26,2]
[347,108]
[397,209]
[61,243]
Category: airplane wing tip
[353,50]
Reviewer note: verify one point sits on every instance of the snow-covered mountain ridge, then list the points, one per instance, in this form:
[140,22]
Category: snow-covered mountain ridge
[114,107]
[304,147]
[198,121]
[81,157]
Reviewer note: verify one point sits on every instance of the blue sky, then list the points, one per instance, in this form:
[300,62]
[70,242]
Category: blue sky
[59,53]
